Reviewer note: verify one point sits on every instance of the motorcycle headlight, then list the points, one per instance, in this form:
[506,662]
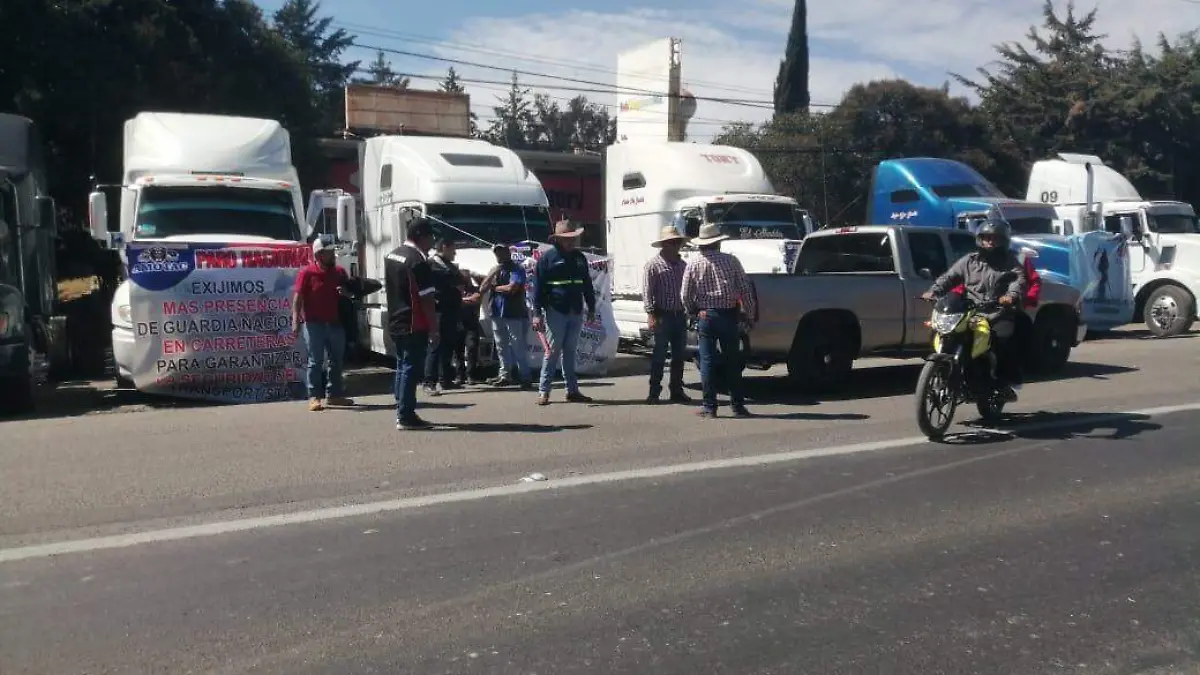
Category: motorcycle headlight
[124,314]
[945,323]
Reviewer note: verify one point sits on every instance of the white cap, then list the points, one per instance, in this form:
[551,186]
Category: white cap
[320,245]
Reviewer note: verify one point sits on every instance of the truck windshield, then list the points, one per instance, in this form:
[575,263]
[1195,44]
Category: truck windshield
[210,210]
[491,223]
[1031,225]
[754,220]
[1173,223]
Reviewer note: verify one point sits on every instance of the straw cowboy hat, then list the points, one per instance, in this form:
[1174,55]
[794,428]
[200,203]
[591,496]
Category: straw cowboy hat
[709,234]
[668,233]
[565,229]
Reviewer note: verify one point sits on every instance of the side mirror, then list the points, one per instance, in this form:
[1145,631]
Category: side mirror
[347,219]
[98,216]
[47,213]
[1129,229]
[925,273]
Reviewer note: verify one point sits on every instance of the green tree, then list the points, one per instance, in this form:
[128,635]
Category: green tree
[791,85]
[380,73]
[513,118]
[580,124]
[1059,94]
[452,83]
[320,50]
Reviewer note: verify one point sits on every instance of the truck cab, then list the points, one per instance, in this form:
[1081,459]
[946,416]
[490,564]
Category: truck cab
[476,193]
[1162,237]
[652,185]
[197,179]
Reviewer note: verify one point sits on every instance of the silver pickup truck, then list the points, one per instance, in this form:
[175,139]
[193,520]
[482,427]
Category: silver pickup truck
[853,292]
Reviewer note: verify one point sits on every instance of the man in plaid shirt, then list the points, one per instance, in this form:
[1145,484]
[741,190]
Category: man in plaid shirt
[661,287]
[716,290]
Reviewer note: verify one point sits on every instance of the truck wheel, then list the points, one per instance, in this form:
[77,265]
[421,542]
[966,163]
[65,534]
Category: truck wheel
[58,349]
[17,395]
[1170,311]
[821,358]
[1051,344]
[18,390]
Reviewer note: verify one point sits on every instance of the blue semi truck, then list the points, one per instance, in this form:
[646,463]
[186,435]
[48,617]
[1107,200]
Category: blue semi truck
[945,193]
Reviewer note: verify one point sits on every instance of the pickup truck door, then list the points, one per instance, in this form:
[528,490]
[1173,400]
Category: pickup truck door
[928,259]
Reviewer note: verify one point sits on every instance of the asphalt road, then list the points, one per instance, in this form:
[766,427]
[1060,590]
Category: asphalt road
[819,538]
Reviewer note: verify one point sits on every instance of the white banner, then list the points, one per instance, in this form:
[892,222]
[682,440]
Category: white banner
[214,321]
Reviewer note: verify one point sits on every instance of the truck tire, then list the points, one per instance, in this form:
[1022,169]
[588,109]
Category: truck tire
[18,390]
[1050,344]
[1169,311]
[821,357]
[59,352]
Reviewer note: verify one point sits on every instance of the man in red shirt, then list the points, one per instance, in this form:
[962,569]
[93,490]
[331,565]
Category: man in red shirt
[318,289]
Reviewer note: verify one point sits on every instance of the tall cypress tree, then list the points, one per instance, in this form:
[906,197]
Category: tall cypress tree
[791,86]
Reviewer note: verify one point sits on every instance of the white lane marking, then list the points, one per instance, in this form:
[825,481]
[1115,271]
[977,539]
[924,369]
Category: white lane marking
[371,508]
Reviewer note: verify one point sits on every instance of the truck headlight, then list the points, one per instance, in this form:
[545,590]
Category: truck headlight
[125,316]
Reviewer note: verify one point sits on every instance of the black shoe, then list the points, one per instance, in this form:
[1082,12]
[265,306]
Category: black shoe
[706,414]
[576,397]
[653,399]
[740,412]
[413,423]
[680,397]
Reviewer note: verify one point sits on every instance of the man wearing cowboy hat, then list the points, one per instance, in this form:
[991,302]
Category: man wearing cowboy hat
[661,286]
[714,286]
[562,286]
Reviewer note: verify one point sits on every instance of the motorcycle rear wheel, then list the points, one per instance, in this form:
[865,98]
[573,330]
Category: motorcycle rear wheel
[935,400]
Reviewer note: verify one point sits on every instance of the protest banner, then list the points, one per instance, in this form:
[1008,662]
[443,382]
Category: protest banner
[214,321]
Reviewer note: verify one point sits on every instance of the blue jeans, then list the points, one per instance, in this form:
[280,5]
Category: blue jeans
[512,347]
[562,332]
[324,339]
[670,332]
[410,362]
[719,329]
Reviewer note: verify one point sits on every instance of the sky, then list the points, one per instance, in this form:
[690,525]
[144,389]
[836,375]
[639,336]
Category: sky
[731,48]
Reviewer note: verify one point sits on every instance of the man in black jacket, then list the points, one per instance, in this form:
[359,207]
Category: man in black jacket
[412,316]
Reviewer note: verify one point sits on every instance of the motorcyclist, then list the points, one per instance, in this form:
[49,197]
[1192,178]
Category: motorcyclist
[992,274]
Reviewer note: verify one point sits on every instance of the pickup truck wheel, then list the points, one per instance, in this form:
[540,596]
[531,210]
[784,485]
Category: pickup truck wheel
[1169,311]
[821,358]
[1051,344]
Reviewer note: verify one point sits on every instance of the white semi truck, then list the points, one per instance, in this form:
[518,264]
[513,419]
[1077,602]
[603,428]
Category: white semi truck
[477,194]
[648,185]
[1163,236]
[197,179]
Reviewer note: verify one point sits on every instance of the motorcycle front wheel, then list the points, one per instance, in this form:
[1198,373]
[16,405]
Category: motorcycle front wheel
[935,400]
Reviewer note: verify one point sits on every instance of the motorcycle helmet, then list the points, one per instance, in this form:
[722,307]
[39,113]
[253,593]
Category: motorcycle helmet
[993,236]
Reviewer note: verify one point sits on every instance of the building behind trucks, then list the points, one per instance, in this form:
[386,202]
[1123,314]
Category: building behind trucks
[945,193]
[650,185]
[1162,237]
[198,179]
